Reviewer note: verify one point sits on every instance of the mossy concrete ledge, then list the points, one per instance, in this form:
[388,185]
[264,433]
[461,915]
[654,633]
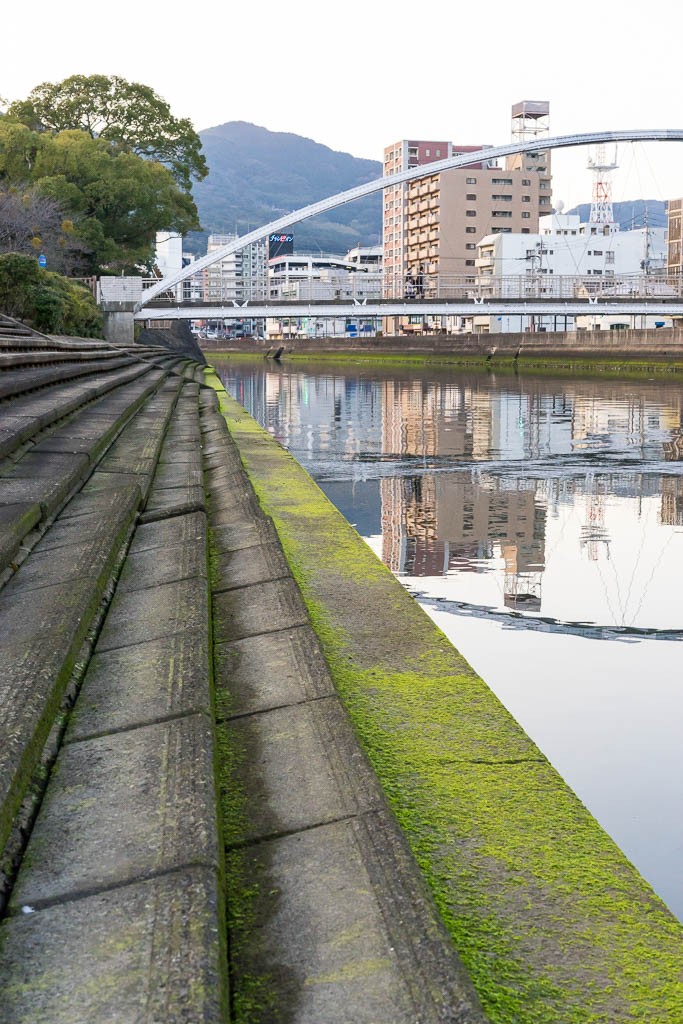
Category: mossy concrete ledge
[551,920]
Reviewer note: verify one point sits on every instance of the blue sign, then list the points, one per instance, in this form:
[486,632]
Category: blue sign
[42,260]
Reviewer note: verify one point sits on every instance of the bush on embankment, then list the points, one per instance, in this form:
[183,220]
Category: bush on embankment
[46,301]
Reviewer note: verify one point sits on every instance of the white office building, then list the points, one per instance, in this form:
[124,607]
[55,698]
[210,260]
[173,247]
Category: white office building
[311,277]
[566,259]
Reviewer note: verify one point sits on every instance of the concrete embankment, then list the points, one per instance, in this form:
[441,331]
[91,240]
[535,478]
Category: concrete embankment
[208,699]
[661,350]
[552,923]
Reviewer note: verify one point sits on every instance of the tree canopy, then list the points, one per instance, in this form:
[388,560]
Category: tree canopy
[111,179]
[128,114]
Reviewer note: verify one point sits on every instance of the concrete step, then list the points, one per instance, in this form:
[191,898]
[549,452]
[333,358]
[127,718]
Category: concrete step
[328,916]
[35,486]
[25,416]
[128,897]
[46,610]
[18,382]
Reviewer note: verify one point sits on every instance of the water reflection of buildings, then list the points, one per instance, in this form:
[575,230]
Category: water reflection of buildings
[494,464]
[440,522]
[672,501]
[432,524]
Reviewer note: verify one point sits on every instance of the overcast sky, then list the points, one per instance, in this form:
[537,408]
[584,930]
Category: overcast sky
[356,77]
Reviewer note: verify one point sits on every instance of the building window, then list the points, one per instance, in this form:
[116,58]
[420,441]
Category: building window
[525,214]
[526,231]
[438,152]
[501,199]
[470,181]
[471,245]
[471,197]
[428,152]
[470,231]
[501,213]
[526,199]
[501,181]
[470,213]
[469,263]
[501,231]
[596,252]
[526,181]
[609,256]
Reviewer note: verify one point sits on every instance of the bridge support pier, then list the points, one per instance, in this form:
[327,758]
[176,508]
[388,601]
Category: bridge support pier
[118,298]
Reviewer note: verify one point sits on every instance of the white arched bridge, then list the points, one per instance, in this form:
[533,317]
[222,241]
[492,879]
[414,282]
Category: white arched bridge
[633,297]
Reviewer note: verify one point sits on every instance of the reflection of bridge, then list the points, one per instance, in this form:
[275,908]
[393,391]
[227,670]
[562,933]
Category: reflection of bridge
[535,304]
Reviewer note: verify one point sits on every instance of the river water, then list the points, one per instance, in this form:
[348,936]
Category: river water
[539,522]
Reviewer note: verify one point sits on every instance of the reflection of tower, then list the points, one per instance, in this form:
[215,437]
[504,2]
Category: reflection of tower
[593,532]
[671,513]
[601,201]
[523,550]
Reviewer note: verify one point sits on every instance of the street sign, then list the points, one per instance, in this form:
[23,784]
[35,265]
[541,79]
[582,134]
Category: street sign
[42,260]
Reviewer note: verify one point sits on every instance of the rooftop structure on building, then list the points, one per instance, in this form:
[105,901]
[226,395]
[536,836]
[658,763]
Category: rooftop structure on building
[358,274]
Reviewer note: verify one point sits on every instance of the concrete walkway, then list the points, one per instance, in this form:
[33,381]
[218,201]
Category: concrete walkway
[170,739]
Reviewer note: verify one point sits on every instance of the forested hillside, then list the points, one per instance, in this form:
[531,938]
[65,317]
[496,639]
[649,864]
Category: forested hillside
[256,175]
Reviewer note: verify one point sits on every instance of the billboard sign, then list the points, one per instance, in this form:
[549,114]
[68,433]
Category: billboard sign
[280,245]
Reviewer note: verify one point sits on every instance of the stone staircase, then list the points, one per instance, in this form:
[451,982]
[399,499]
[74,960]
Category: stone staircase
[111,864]
[170,737]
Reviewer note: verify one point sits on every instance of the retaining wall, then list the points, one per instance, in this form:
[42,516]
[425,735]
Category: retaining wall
[658,345]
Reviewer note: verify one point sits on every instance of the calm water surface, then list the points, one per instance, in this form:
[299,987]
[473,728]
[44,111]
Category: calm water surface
[539,522]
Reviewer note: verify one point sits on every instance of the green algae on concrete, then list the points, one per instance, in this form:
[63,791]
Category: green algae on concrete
[555,364]
[552,921]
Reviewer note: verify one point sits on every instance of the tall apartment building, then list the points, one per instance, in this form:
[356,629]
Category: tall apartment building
[431,225]
[674,234]
[241,275]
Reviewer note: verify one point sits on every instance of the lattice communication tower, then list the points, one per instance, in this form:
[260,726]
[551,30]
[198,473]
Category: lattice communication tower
[601,201]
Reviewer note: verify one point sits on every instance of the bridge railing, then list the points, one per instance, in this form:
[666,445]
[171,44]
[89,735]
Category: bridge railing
[360,287]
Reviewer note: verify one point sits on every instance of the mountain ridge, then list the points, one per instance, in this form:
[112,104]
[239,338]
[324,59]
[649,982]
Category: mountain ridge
[257,175]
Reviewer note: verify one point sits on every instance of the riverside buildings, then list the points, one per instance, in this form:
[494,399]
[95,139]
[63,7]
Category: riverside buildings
[431,225]
[565,259]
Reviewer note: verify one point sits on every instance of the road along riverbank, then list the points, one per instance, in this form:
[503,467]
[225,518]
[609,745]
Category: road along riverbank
[551,921]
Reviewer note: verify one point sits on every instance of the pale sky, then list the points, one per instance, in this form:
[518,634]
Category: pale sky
[357,77]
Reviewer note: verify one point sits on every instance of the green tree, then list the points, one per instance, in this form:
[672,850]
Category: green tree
[128,114]
[33,223]
[119,199]
[45,300]
[112,201]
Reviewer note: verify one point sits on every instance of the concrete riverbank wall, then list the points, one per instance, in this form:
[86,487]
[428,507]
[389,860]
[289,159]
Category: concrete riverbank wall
[663,345]
[551,921]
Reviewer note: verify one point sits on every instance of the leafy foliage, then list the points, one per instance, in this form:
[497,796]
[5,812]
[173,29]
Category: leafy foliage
[31,222]
[46,300]
[114,200]
[128,114]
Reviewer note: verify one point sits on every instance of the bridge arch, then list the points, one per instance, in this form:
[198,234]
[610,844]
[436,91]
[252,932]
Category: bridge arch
[462,160]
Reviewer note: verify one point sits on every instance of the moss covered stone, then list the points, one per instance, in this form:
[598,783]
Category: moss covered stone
[552,921]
